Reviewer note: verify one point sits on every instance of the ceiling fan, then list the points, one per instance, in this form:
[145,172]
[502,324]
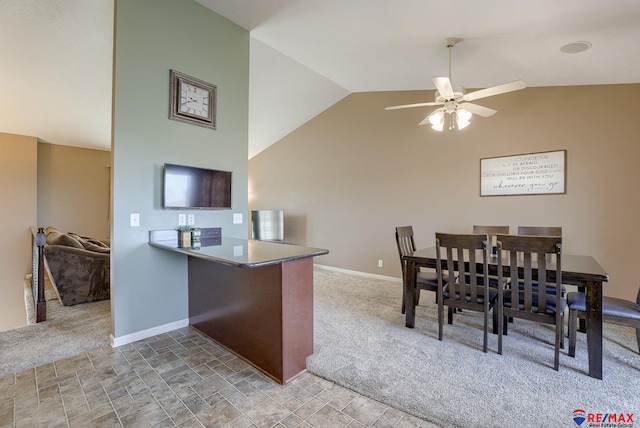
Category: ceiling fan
[454,101]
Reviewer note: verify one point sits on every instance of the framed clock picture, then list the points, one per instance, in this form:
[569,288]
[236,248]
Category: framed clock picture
[192,100]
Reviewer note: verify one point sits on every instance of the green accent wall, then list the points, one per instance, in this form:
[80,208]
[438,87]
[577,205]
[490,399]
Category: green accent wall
[149,285]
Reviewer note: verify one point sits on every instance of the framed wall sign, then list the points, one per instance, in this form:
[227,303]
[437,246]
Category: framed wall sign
[192,100]
[529,174]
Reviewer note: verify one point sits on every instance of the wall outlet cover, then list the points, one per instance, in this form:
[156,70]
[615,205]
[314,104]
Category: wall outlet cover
[237,218]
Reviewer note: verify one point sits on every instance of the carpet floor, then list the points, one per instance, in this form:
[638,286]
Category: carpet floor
[68,331]
[361,343]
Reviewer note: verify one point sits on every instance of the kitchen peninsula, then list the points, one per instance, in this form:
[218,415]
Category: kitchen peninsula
[253,297]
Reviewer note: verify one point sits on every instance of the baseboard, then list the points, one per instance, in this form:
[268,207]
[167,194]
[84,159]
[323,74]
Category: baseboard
[355,272]
[140,335]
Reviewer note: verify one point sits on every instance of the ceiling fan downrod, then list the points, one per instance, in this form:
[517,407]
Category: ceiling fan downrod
[450,43]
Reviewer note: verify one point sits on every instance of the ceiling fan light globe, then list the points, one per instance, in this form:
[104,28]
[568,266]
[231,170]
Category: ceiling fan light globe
[463,115]
[436,117]
[462,118]
[437,120]
[462,124]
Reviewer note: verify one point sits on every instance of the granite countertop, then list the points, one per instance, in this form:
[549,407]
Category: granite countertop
[246,253]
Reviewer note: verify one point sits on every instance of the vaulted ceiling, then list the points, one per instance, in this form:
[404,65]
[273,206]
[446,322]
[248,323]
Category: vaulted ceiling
[308,54]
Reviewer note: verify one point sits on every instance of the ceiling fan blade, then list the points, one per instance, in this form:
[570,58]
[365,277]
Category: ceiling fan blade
[426,119]
[443,85]
[476,109]
[495,90]
[412,105]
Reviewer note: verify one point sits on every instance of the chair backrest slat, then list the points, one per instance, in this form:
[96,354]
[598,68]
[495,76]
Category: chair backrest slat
[542,273]
[450,262]
[513,261]
[528,282]
[473,276]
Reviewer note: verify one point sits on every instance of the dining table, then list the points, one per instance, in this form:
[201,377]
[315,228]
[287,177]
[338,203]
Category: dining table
[582,271]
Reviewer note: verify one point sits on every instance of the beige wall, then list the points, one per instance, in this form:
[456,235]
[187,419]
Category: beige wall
[18,187]
[349,176]
[73,189]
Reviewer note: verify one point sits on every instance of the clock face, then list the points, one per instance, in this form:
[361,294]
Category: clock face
[194,100]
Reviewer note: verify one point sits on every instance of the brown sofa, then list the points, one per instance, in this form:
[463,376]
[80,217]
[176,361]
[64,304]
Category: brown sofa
[78,267]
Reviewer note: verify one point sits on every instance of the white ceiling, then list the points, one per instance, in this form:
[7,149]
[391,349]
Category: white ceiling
[56,58]
[308,54]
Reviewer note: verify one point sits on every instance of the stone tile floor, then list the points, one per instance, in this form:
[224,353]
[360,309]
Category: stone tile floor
[180,378]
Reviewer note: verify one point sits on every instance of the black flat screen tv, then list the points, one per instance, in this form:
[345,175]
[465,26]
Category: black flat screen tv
[196,188]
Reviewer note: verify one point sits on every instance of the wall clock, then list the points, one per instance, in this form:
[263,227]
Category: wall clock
[192,100]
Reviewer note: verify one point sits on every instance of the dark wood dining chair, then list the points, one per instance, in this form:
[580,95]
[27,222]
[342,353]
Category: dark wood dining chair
[532,261]
[463,288]
[614,310]
[424,280]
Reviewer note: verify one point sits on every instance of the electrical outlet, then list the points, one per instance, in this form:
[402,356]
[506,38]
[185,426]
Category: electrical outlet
[237,218]
[134,220]
[191,219]
[182,219]
[380,263]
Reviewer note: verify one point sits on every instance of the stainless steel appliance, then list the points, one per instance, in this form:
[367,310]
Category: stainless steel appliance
[267,225]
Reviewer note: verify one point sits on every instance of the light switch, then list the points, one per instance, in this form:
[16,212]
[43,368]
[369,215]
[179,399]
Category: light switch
[182,219]
[134,220]
[237,218]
